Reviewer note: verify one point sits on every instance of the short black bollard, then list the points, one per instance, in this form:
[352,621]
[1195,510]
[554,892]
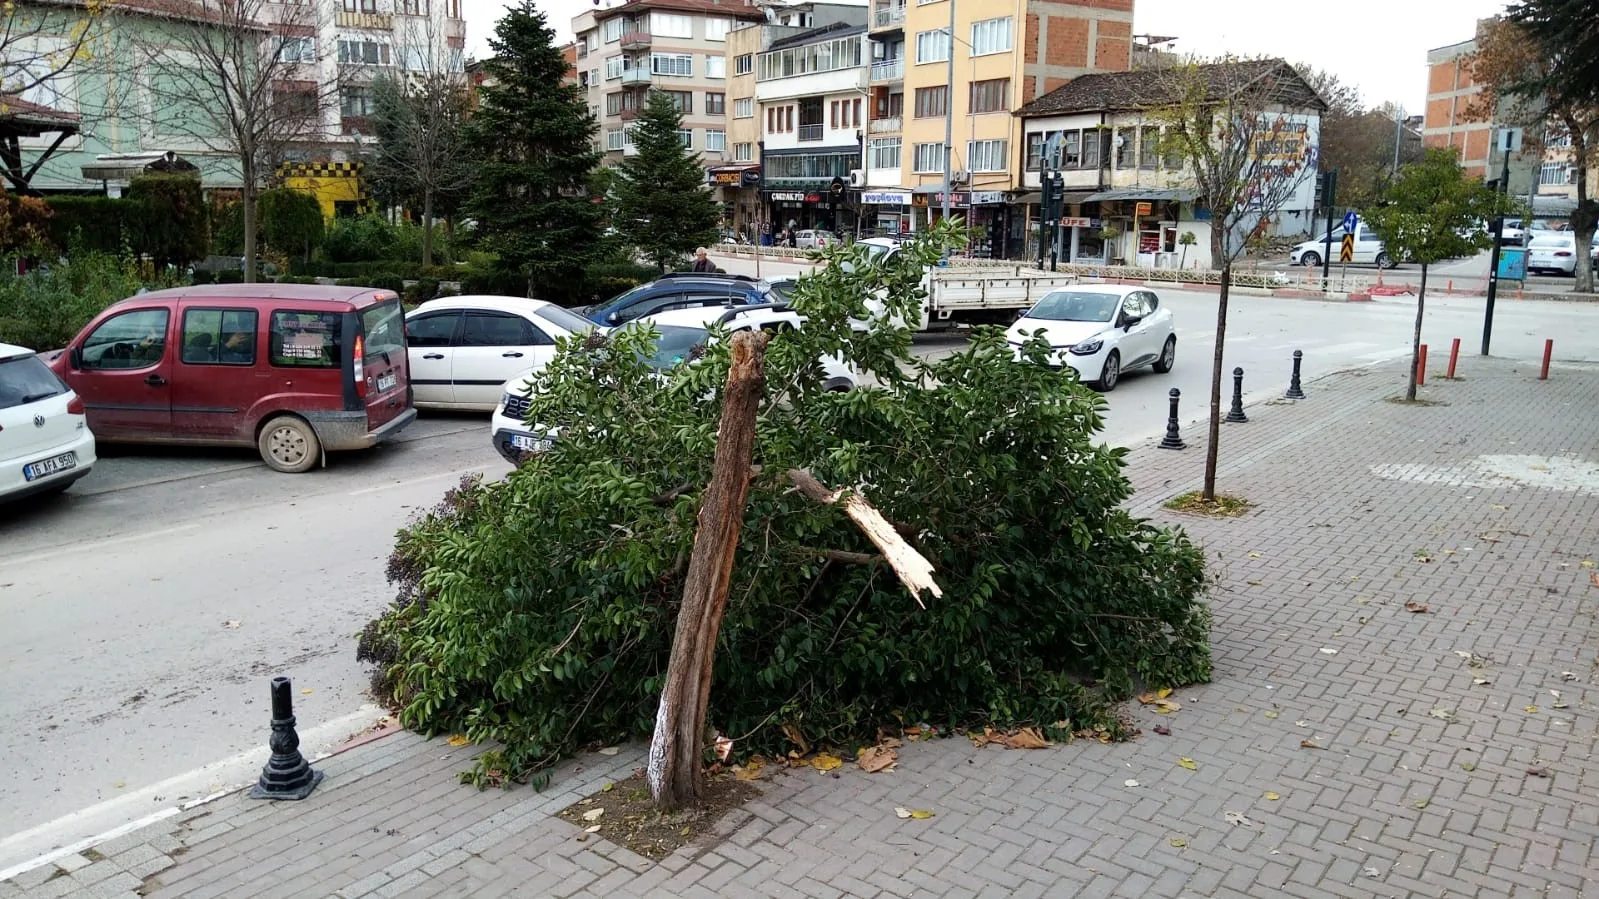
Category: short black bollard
[1294,393]
[287,774]
[1173,440]
[1236,413]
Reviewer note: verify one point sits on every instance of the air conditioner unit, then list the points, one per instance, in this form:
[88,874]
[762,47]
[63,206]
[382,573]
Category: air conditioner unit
[960,177]
[857,178]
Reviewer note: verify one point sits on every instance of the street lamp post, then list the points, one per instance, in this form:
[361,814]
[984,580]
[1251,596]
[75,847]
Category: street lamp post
[949,111]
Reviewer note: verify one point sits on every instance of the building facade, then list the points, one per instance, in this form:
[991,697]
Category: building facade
[1453,119]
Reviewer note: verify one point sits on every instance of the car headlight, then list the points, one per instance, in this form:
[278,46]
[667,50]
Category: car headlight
[1087,347]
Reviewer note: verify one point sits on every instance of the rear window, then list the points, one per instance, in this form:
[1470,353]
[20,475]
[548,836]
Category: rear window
[1552,241]
[307,339]
[26,379]
[384,327]
[564,319]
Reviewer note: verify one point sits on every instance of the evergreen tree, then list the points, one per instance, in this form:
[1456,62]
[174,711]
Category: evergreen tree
[533,140]
[665,209]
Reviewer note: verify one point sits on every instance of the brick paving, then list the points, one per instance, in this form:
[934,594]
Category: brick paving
[1421,787]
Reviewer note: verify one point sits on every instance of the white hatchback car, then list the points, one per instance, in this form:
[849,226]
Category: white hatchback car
[812,239]
[1552,251]
[1100,331]
[45,442]
[463,349]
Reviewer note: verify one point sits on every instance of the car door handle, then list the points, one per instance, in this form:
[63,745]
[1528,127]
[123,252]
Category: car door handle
[155,380]
[434,356]
[511,355]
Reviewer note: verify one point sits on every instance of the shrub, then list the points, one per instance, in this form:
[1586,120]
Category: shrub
[291,221]
[227,229]
[296,279]
[360,239]
[539,611]
[48,306]
[170,221]
[422,290]
[87,224]
[203,276]
[230,276]
[387,281]
[493,280]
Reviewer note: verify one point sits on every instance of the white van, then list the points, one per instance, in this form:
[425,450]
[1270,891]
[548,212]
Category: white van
[1368,248]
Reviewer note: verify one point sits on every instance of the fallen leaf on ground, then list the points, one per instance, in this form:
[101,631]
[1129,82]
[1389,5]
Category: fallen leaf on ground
[919,814]
[610,750]
[1421,803]
[1272,797]
[1423,556]
[1027,738]
[1419,608]
[1480,682]
[750,770]
[877,758]
[1167,706]
[1562,705]
[1129,783]
[1154,695]
[305,691]
[1237,819]
[1531,709]
[1372,872]
[1442,714]
[825,762]
[1538,772]
[1163,730]
[1179,842]
[609,786]
[1309,744]
[1188,763]
[1329,650]
[594,814]
[458,740]
[1587,563]
[231,624]
[1271,714]
[592,829]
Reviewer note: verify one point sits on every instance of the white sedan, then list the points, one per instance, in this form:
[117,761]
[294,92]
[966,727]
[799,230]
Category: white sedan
[1100,331]
[463,349]
[1552,251]
[45,442]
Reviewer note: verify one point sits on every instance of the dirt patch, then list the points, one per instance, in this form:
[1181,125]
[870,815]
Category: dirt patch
[1223,506]
[1418,401]
[623,813]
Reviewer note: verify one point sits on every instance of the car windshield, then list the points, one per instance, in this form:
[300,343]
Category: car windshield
[384,325]
[675,345]
[26,379]
[876,251]
[1076,306]
[564,319]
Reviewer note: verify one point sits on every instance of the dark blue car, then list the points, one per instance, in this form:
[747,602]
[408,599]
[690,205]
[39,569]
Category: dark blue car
[682,290]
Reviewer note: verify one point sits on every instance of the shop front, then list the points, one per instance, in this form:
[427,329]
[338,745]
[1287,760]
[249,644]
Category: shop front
[807,189]
[1143,226]
[737,189]
[885,213]
[927,206]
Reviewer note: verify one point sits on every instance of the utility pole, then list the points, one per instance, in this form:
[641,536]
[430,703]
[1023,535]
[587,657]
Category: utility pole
[949,112]
[1399,122]
[1506,141]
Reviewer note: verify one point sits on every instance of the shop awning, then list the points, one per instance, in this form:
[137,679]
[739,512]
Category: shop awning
[1181,194]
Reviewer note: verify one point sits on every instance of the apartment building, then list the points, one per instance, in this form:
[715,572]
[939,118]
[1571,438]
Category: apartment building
[939,92]
[677,47]
[1453,119]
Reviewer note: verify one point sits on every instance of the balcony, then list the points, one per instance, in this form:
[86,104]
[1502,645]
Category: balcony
[888,15]
[636,40]
[884,126]
[809,133]
[372,20]
[636,75]
[888,70]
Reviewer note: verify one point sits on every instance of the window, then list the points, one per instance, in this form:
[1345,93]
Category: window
[414,7]
[890,106]
[452,8]
[823,56]
[743,152]
[130,340]
[744,64]
[355,101]
[715,67]
[931,102]
[27,378]
[779,119]
[672,64]
[686,135]
[620,102]
[1149,148]
[615,139]
[683,100]
[929,158]
[1035,152]
[219,336]
[991,36]
[306,339]
[1554,173]
[671,25]
[844,114]
[436,330]
[297,49]
[991,96]
[363,53]
[613,29]
[383,326]
[1093,140]
[613,68]
[986,155]
[932,46]
[1174,152]
[716,28]
[296,104]
[715,141]
[744,108]
[415,59]
[488,329]
[1071,150]
[715,104]
[882,153]
[1126,147]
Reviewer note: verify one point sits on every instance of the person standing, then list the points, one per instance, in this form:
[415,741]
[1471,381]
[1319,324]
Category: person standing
[702,261]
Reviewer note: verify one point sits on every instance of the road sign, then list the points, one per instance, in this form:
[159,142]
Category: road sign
[1347,252]
[1349,222]
[1052,146]
[1509,140]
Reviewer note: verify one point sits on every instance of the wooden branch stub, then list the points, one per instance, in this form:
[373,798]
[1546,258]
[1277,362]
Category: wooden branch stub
[912,568]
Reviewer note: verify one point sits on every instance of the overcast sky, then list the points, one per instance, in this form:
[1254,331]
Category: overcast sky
[1379,46]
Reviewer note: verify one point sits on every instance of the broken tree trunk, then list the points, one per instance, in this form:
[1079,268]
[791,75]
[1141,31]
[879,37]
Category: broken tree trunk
[913,569]
[676,750]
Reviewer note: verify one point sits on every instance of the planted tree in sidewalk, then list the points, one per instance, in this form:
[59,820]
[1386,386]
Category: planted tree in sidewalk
[1524,76]
[1240,128]
[661,199]
[531,140]
[540,611]
[1432,212]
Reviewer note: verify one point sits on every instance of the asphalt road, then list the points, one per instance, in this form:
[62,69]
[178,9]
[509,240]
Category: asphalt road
[1457,275]
[147,608]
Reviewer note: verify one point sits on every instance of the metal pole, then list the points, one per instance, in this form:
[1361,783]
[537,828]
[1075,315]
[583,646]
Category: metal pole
[949,111]
[1328,195]
[1043,201]
[760,201]
[860,204]
[1493,258]
[1399,120]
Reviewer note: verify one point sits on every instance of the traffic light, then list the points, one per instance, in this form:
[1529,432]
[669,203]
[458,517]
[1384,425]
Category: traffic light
[1046,203]
[1054,196]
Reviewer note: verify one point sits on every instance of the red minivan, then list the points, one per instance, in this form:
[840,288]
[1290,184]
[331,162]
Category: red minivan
[294,370]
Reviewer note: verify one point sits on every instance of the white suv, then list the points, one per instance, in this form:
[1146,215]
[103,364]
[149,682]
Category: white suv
[1368,249]
[45,443]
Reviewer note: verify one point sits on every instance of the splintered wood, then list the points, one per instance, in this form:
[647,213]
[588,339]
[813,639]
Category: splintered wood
[912,568]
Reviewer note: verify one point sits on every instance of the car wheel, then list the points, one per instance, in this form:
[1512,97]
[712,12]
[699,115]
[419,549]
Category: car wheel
[1384,261]
[1310,260]
[1111,373]
[1168,355]
[289,445]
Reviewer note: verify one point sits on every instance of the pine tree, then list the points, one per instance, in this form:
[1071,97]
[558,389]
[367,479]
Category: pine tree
[533,140]
[665,209]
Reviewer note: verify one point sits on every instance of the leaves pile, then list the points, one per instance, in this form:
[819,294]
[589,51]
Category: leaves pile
[539,611]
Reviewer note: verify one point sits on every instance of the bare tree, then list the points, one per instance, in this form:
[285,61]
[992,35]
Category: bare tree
[239,78]
[1246,131]
[41,40]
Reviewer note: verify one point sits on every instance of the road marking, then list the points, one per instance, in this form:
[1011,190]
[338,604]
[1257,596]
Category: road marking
[478,469]
[99,545]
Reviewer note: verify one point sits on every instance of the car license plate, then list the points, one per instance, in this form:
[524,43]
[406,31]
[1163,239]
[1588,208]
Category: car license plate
[387,381]
[529,443]
[44,467]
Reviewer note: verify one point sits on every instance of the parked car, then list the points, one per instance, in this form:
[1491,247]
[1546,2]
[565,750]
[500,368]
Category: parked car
[814,239]
[464,349]
[680,290]
[1554,252]
[680,331]
[1101,331]
[1368,248]
[45,441]
[1513,235]
[294,370]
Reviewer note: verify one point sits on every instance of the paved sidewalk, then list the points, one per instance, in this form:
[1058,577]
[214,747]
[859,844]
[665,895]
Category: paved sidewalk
[1426,782]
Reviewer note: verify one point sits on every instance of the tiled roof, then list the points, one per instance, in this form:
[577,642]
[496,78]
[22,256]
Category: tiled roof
[1119,91]
[23,117]
[731,8]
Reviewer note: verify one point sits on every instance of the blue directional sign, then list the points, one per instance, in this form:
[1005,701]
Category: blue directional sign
[1349,222]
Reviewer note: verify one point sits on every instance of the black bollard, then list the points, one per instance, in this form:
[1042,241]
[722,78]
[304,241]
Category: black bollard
[287,774]
[1294,393]
[1236,413]
[1173,440]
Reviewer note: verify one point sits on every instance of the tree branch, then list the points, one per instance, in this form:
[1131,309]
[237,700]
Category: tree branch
[913,569]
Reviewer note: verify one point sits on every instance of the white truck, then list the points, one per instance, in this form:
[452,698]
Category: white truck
[974,295]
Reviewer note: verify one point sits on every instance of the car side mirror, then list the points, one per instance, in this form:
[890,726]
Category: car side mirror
[75,358]
[615,318]
[1129,320]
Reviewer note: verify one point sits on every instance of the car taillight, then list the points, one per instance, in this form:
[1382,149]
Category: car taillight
[75,405]
[360,366]
[1562,253]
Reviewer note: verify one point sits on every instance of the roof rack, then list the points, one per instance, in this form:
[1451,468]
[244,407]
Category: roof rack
[737,311]
[709,276]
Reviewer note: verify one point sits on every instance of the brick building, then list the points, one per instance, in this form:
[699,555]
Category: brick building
[1452,121]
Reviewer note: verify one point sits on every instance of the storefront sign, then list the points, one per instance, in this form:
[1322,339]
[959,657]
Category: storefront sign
[1145,208]
[886,198]
[787,196]
[988,198]
[1077,223]
[732,179]
[956,199]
